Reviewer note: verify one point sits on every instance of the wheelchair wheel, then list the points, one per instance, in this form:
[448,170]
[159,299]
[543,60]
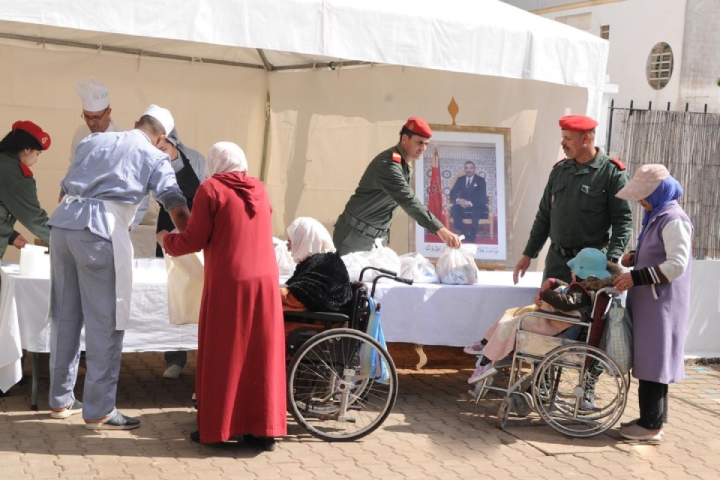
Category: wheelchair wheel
[342,385]
[520,406]
[503,413]
[579,391]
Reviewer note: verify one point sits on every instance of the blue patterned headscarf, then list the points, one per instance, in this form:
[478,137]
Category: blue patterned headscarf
[668,190]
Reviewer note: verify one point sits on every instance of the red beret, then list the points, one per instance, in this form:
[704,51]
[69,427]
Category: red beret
[577,123]
[33,129]
[418,126]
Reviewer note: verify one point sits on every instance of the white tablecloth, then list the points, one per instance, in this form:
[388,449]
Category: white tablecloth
[451,315]
[424,314]
[23,318]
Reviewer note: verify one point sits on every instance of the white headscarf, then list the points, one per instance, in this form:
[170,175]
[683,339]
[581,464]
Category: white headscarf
[307,237]
[225,157]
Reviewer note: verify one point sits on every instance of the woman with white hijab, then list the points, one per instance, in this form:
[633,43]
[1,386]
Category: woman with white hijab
[240,376]
[321,282]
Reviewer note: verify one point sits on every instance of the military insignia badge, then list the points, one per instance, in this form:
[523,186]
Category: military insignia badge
[552,199]
[396,157]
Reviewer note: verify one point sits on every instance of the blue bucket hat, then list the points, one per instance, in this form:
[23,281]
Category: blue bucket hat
[590,262]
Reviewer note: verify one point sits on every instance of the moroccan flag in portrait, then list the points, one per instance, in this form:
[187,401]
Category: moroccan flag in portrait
[435,203]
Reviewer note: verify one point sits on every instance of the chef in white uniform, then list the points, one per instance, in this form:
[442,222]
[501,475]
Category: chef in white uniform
[91,261]
[96,111]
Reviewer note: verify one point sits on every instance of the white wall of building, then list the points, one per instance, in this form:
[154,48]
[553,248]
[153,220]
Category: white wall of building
[701,56]
[635,27]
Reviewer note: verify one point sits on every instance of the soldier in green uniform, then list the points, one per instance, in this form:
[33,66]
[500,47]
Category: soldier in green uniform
[19,150]
[579,208]
[382,189]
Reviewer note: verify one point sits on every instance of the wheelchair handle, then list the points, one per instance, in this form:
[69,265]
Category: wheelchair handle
[381,270]
[408,281]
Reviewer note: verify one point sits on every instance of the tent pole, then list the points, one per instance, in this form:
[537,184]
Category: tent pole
[266,137]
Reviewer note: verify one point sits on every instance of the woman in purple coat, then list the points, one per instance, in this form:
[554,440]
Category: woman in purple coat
[659,301]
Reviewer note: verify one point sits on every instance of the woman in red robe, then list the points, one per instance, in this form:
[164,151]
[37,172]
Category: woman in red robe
[240,377]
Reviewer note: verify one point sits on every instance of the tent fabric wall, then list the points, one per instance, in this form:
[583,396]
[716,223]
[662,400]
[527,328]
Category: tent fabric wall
[210,102]
[327,126]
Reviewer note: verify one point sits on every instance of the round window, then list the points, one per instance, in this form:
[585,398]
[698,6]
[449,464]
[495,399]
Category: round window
[659,65]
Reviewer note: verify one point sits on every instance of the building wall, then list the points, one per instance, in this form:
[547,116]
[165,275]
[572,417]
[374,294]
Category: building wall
[635,27]
[701,57]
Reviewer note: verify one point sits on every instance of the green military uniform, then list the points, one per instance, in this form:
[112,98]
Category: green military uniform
[368,214]
[579,210]
[19,201]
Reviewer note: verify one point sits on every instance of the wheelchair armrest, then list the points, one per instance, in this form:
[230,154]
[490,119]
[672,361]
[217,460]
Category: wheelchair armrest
[555,316]
[327,317]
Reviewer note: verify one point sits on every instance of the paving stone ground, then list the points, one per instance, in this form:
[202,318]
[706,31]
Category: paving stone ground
[434,432]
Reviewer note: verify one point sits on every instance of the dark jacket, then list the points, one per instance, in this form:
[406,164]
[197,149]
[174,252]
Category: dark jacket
[476,193]
[321,283]
[579,295]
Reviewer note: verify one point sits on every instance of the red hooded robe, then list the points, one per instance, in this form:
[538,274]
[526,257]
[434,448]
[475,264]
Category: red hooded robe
[240,378]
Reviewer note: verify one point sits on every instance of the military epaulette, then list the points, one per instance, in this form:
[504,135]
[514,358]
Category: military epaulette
[26,170]
[559,162]
[396,157]
[619,164]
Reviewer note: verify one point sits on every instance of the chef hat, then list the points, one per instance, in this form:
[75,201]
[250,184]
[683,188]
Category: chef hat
[94,94]
[163,116]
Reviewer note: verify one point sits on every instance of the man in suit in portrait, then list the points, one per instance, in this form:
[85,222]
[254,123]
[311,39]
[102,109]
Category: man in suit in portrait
[468,196]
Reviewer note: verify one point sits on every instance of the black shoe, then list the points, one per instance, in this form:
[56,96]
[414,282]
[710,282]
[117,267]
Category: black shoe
[266,444]
[117,422]
[195,436]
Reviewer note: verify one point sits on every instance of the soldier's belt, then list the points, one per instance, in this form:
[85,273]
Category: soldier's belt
[363,227]
[572,252]
[5,215]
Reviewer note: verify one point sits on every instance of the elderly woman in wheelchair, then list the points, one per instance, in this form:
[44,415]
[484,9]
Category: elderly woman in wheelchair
[341,382]
[561,352]
[320,282]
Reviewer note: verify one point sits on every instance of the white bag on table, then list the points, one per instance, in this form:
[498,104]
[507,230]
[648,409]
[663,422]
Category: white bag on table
[418,268]
[382,257]
[284,258]
[456,266]
[185,286]
[355,262]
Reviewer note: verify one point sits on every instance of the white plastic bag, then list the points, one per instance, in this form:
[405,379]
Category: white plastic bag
[617,339]
[456,266]
[418,268]
[355,262]
[284,259]
[382,257]
[185,286]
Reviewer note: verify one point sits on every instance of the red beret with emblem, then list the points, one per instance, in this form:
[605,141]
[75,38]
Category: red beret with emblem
[418,126]
[577,123]
[33,129]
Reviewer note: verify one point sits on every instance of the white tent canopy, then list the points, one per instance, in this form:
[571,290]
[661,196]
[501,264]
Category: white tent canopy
[483,37]
[504,67]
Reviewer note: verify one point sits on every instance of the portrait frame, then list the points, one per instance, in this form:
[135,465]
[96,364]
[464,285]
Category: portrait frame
[488,149]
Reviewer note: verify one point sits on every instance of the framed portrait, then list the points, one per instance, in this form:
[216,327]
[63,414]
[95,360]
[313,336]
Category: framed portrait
[464,179]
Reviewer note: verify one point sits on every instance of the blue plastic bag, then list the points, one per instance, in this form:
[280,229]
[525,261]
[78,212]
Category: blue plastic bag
[372,362]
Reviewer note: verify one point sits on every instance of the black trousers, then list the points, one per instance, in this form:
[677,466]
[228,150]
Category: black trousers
[653,400]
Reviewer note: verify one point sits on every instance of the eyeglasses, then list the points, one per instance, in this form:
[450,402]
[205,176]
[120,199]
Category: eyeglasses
[93,118]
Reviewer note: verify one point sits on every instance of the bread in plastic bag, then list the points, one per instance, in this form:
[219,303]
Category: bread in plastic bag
[456,266]
[418,268]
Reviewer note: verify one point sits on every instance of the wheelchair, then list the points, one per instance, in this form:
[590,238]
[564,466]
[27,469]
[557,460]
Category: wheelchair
[341,382]
[573,385]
